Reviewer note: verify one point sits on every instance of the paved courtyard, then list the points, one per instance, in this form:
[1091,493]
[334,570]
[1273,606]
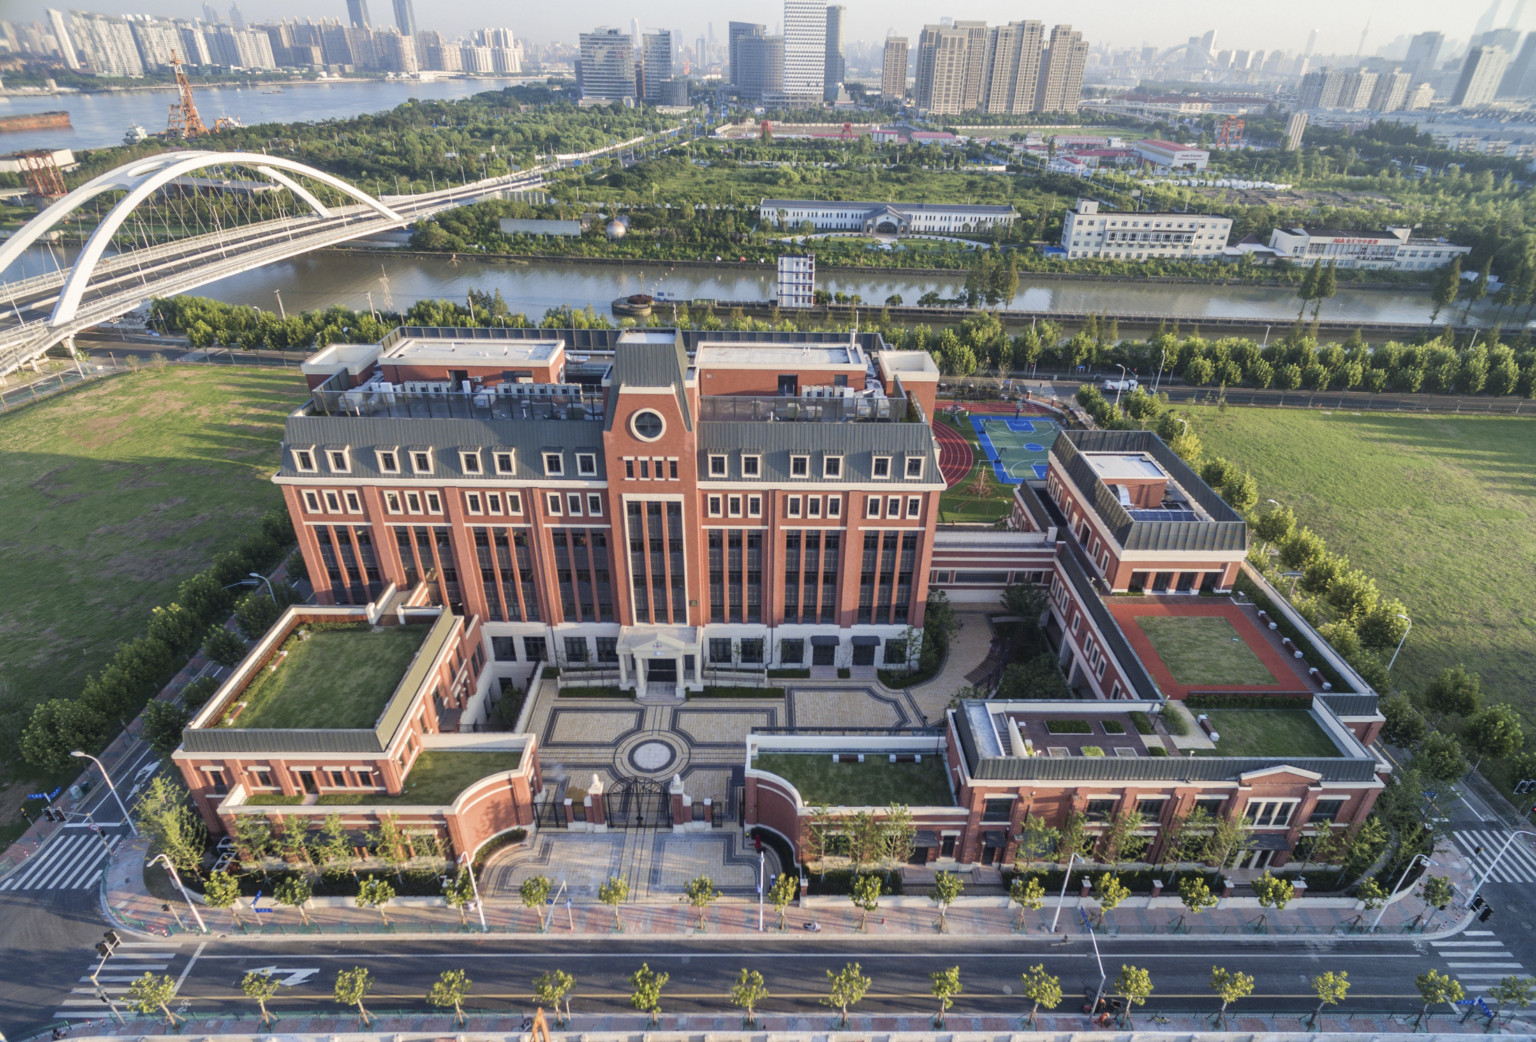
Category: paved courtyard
[655,863]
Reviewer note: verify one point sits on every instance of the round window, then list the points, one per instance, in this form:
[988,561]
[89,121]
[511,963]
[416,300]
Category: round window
[647,425]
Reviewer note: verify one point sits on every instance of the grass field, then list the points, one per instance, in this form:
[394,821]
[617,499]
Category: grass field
[1440,510]
[1269,732]
[958,505]
[1204,651]
[875,783]
[112,495]
[339,678]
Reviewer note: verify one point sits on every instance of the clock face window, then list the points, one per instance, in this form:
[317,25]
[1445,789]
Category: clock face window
[647,425]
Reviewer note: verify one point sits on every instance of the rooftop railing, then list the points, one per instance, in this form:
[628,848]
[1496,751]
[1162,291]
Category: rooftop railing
[801,409]
[454,405]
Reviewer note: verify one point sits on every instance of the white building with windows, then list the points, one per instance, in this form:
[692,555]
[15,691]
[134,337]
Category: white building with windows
[1088,233]
[1392,249]
[885,218]
[797,280]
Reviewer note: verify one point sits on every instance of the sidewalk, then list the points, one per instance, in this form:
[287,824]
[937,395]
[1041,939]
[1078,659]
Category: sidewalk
[128,902]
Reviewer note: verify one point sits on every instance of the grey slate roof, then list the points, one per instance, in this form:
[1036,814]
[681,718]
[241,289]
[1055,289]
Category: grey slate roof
[857,443]
[528,438]
[1352,705]
[1226,531]
[1069,556]
[650,365]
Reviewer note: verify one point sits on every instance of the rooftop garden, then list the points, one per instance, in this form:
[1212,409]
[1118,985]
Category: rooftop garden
[1201,650]
[1269,732]
[437,776]
[874,783]
[331,678]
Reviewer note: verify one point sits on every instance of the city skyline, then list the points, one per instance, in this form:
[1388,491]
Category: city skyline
[1116,23]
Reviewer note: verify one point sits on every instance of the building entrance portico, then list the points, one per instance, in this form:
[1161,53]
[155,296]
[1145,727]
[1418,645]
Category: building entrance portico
[659,662]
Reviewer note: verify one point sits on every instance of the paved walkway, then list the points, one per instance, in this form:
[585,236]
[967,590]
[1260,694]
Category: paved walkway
[967,649]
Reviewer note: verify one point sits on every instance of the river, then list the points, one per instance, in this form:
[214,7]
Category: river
[98,120]
[320,280]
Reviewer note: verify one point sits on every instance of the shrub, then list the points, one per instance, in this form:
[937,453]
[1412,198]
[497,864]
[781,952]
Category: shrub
[1113,727]
[1174,724]
[1068,727]
[1248,702]
[1141,721]
[1156,750]
[1092,750]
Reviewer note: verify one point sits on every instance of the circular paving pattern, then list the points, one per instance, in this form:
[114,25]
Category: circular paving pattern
[652,756]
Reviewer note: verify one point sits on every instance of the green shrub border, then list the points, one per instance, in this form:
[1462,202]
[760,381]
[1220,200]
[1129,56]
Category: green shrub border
[1301,640]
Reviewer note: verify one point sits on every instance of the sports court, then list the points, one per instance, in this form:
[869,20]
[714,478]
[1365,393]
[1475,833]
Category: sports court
[1016,446]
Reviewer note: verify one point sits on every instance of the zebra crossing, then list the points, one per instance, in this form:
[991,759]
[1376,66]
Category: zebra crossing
[72,860]
[130,961]
[1518,865]
[1478,960]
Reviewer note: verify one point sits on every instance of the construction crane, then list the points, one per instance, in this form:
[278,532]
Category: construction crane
[42,173]
[766,133]
[1230,134]
[848,134]
[184,121]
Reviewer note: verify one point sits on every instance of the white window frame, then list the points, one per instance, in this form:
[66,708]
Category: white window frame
[813,506]
[586,464]
[573,504]
[389,460]
[507,455]
[434,503]
[914,506]
[804,462]
[312,501]
[392,503]
[874,468]
[831,467]
[469,462]
[473,503]
[909,467]
[344,455]
[719,467]
[872,508]
[834,506]
[714,505]
[552,504]
[754,506]
[792,506]
[299,456]
[419,455]
[493,502]
[413,503]
[332,501]
[559,460]
[352,501]
[752,466]
[514,503]
[733,505]
[893,508]
[594,504]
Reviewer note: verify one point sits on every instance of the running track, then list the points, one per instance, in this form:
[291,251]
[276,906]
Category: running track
[955,455]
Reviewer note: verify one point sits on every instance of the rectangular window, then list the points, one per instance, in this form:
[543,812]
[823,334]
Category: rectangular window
[434,503]
[534,649]
[354,505]
[791,652]
[754,506]
[586,464]
[997,810]
[607,649]
[872,506]
[472,503]
[413,502]
[1326,811]
[751,466]
[504,649]
[914,506]
[493,502]
[834,506]
[832,466]
[893,508]
[799,466]
[332,504]
[812,506]
[720,650]
[733,506]
[792,506]
[1100,810]
[261,778]
[645,470]
[392,502]
[717,468]
[752,651]
[389,461]
[552,503]
[312,502]
[505,463]
[672,469]
[576,649]
[514,503]
[714,506]
[554,465]
[573,504]
[881,467]
[421,461]
[914,467]
[304,461]
[470,462]
[339,463]
[594,504]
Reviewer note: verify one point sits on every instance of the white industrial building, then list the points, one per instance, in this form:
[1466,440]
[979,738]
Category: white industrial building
[1390,250]
[1085,233]
[885,218]
[1172,155]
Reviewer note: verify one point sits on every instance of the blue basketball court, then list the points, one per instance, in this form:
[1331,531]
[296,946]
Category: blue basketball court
[1017,447]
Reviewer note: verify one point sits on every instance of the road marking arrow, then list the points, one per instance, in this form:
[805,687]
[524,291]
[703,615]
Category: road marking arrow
[291,978]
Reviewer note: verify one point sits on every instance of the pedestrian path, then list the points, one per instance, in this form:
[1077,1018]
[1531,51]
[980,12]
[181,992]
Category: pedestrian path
[72,860]
[1518,865]
[90,999]
[1478,960]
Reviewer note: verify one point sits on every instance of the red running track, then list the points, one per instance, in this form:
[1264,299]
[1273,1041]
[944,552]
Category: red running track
[955,454]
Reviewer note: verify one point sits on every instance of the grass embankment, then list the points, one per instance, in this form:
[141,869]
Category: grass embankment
[1440,510]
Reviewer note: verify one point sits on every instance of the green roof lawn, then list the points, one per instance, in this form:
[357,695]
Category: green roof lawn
[436,777]
[337,679]
[875,783]
[1269,732]
[1204,650]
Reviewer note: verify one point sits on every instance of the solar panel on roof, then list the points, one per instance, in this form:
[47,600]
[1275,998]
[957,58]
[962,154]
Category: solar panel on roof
[1163,515]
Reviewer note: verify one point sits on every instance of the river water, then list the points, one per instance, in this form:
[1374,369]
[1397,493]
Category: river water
[320,280]
[98,120]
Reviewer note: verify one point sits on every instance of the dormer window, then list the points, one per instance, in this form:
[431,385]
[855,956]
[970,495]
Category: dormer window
[914,467]
[339,460]
[506,462]
[751,466]
[304,461]
[586,464]
[554,465]
[717,467]
[799,466]
[389,461]
[421,461]
[832,466]
[470,462]
[881,467]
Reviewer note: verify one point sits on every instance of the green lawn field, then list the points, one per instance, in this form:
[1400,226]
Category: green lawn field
[112,495]
[1440,510]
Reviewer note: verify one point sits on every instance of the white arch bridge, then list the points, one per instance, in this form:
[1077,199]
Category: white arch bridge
[46,310]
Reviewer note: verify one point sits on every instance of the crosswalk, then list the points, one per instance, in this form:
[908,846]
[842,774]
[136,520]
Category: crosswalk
[71,860]
[1478,960]
[129,962]
[1518,865]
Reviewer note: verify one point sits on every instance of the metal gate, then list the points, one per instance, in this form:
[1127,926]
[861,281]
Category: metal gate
[549,813]
[637,803]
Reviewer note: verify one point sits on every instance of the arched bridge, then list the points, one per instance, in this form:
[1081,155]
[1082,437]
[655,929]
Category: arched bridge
[46,310]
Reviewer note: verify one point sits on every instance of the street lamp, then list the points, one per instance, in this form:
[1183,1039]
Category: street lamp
[1293,576]
[1416,859]
[1120,386]
[280,309]
[1400,640]
[1494,864]
[1064,879]
[1094,1009]
[479,904]
[176,878]
[263,578]
[120,804]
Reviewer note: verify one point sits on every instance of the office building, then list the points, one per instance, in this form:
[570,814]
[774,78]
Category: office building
[797,281]
[885,218]
[1061,71]
[62,37]
[1520,78]
[405,17]
[656,63]
[941,63]
[1481,74]
[357,14]
[1087,233]
[1012,70]
[759,67]
[835,67]
[607,71]
[893,69]
[1295,130]
[1392,249]
[1423,55]
[805,52]
[736,32]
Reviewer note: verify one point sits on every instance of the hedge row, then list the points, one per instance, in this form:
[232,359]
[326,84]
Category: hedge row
[142,666]
[1312,656]
[1247,702]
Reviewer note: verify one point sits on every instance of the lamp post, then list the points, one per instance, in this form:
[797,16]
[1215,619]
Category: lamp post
[760,870]
[1064,880]
[1293,576]
[479,904]
[1094,1009]
[176,878]
[263,578]
[1400,639]
[120,804]
[1416,859]
[1120,386]
[1495,863]
[280,309]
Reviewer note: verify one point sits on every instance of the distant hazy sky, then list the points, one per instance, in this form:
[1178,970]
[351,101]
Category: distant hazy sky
[1119,22]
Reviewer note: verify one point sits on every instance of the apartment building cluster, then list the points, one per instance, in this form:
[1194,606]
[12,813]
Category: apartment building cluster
[967,66]
[614,67]
[801,66]
[1363,90]
[135,45]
